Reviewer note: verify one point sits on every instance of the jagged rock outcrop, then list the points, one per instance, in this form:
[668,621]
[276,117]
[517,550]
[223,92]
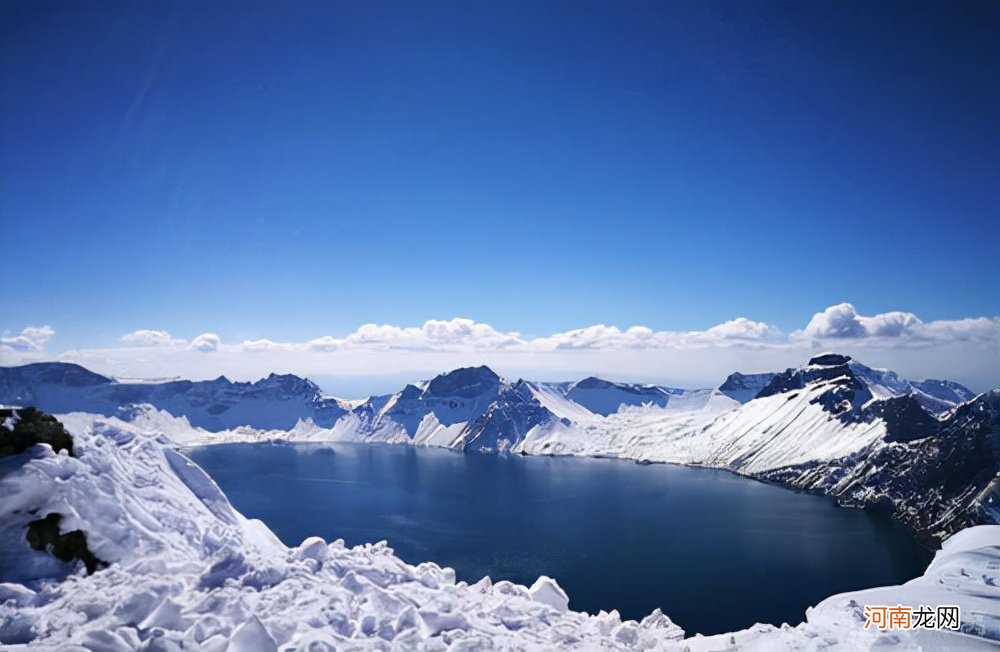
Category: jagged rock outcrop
[26,427]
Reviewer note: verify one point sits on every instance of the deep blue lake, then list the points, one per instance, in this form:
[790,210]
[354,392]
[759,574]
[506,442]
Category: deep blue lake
[715,551]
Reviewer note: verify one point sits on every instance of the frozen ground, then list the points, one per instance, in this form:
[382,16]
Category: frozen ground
[187,572]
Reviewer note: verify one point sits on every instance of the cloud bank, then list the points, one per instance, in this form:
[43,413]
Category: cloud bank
[31,338]
[967,350]
[149,338]
[842,321]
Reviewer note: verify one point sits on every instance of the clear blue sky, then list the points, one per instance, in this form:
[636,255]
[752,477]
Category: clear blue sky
[287,170]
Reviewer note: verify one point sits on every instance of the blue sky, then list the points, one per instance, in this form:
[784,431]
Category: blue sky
[293,170]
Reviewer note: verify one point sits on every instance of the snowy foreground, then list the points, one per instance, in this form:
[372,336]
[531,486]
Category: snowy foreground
[187,572]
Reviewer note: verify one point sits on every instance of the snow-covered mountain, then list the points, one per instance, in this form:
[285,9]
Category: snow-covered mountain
[925,449]
[278,401]
[470,408]
[119,542]
[863,384]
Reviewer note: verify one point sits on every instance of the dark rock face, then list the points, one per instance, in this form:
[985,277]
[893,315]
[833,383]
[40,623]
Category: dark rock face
[43,535]
[947,390]
[904,419]
[593,382]
[745,387]
[56,373]
[830,360]
[938,484]
[467,382]
[736,380]
[938,467]
[847,395]
[855,383]
[507,420]
[32,427]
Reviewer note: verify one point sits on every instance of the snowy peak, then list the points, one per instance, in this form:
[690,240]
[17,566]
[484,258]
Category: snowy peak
[275,386]
[286,385]
[829,360]
[470,408]
[853,386]
[745,387]
[420,411]
[507,420]
[939,396]
[593,382]
[844,392]
[467,382]
[945,390]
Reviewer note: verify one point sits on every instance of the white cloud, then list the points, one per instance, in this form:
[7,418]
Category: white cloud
[891,324]
[325,343]
[205,343]
[31,338]
[979,328]
[265,345]
[598,336]
[966,350]
[840,320]
[150,338]
[843,322]
[742,328]
[434,334]
[467,332]
[601,336]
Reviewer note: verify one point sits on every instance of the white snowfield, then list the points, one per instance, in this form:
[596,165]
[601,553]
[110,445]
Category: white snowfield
[187,572]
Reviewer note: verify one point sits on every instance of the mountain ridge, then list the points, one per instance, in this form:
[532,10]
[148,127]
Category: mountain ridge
[863,435]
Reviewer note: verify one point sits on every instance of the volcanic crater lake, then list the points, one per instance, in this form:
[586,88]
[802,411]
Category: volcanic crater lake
[715,551]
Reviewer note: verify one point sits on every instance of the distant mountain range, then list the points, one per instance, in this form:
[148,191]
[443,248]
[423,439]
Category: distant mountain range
[927,450]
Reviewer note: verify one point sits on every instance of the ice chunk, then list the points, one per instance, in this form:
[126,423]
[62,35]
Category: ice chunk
[547,591]
[200,485]
[251,637]
[313,548]
[99,641]
[434,622]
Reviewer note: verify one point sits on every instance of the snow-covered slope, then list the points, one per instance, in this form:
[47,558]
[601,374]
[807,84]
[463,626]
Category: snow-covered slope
[185,571]
[937,483]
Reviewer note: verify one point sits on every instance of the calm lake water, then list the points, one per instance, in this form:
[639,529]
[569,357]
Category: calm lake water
[715,551]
